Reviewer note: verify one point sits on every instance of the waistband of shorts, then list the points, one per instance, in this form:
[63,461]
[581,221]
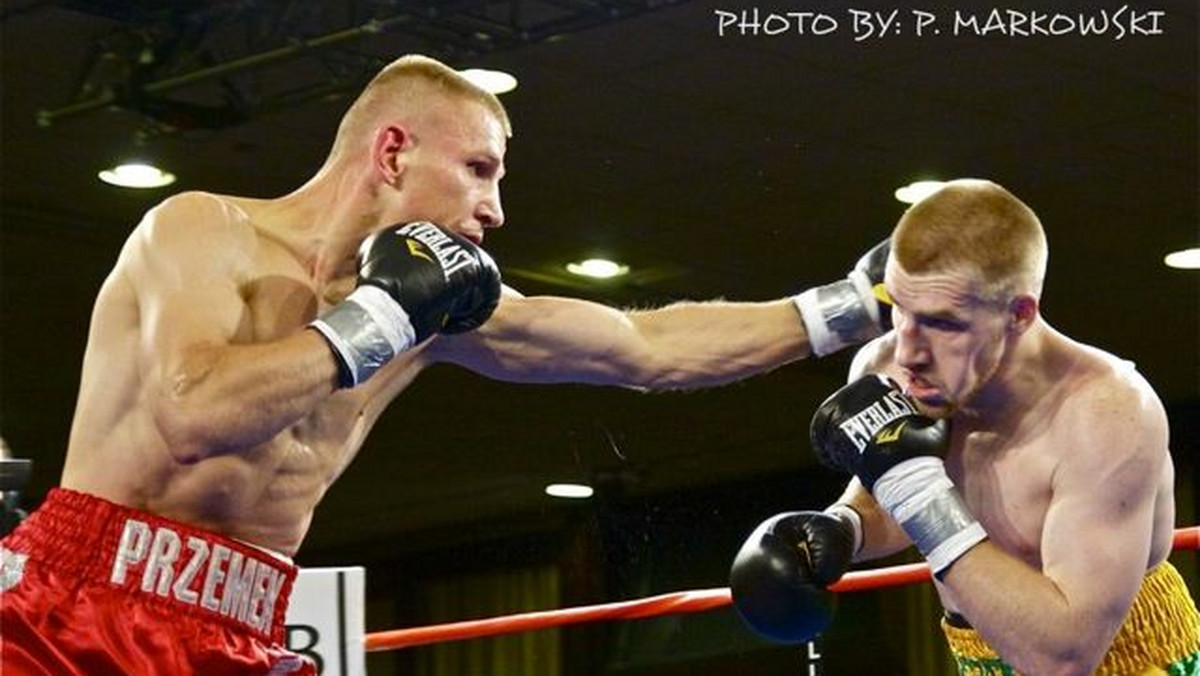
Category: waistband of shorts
[1161,629]
[202,573]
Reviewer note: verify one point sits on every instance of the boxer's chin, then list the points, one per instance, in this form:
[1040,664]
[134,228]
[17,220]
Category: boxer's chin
[930,401]
[936,409]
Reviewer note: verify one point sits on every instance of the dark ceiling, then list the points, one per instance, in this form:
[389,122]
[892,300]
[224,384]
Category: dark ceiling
[736,165]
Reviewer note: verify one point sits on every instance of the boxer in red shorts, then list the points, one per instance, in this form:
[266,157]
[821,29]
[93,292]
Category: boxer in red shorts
[242,349]
[94,564]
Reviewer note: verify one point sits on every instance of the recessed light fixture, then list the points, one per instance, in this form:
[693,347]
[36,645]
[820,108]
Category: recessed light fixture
[598,268]
[1185,259]
[494,81]
[570,491]
[918,190]
[137,175]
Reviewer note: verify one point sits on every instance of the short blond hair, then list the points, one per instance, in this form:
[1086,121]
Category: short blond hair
[978,224]
[409,83]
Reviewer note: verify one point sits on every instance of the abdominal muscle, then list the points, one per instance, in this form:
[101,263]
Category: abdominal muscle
[264,496]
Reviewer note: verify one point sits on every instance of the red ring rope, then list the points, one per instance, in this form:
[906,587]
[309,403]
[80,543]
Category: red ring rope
[665,604]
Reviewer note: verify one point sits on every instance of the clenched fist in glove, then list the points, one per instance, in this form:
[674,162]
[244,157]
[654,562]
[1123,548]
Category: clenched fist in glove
[414,280]
[869,428]
[780,575]
[851,310]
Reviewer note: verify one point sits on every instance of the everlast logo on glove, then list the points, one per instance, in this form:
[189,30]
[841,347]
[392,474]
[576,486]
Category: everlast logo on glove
[864,425]
[450,255]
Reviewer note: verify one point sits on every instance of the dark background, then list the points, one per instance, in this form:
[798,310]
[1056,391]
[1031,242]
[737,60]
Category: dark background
[741,166]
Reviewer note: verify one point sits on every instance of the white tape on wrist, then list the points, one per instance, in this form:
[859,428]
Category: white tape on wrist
[821,340]
[922,499]
[366,330]
[392,320]
[840,314]
[950,549]
[851,516]
[866,294]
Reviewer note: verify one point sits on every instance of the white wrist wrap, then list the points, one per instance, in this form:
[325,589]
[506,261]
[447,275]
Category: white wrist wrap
[839,314]
[923,500]
[366,330]
[851,516]
[866,294]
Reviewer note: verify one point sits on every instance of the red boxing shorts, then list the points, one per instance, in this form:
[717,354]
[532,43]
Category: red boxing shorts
[91,588]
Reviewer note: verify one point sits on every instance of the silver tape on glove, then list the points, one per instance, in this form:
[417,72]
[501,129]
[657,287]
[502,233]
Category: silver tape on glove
[943,529]
[366,330]
[923,500]
[838,315]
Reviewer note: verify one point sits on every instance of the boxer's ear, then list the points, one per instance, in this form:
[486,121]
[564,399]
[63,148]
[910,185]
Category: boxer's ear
[1022,312]
[387,152]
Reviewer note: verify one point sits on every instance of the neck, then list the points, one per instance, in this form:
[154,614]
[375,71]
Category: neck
[322,224]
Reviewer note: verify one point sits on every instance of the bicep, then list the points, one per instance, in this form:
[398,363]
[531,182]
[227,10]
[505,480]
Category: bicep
[1096,538]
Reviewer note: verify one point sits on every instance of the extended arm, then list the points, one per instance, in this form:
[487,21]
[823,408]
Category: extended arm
[554,340]
[680,346]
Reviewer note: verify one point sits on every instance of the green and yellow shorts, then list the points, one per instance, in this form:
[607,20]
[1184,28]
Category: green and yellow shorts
[1160,636]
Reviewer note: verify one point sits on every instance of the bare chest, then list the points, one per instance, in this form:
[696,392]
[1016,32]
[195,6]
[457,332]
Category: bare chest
[1007,484]
[279,302]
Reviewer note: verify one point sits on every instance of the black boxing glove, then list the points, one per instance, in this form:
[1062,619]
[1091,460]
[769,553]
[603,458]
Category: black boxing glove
[869,426]
[457,294]
[872,430]
[779,577]
[849,311]
[413,281]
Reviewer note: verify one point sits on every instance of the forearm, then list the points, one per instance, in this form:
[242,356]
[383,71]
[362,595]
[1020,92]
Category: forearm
[547,339]
[729,341]
[224,399]
[683,346]
[1023,614]
[880,535]
[703,344]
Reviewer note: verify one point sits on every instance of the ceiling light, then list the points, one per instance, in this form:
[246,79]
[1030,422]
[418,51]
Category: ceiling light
[1185,259]
[137,175]
[494,81]
[571,491]
[598,268]
[917,191]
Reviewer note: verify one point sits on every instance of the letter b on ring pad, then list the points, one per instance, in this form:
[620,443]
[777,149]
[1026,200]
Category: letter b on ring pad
[326,619]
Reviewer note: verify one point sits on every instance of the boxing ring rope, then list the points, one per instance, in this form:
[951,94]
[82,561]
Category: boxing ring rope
[664,604]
